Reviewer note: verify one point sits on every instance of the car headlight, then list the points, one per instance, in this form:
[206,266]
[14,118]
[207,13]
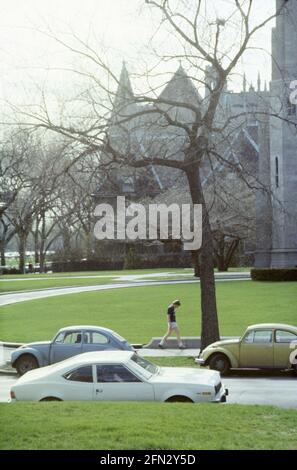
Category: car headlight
[218,387]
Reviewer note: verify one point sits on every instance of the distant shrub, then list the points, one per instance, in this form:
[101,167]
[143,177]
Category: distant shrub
[274,274]
[7,270]
[86,265]
[131,260]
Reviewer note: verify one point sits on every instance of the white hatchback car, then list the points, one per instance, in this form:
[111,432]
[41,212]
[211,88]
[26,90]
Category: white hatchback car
[118,375]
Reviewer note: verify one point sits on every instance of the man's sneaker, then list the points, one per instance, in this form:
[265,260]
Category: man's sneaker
[182,346]
[160,346]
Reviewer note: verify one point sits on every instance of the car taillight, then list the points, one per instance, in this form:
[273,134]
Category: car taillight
[12,394]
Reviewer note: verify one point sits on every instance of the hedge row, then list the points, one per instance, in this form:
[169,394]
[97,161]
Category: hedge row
[274,274]
[162,261]
[86,265]
[6,270]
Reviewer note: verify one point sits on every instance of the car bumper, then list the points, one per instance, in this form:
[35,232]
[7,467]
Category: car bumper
[200,361]
[222,396]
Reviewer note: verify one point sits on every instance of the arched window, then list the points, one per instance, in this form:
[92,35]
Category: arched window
[276,172]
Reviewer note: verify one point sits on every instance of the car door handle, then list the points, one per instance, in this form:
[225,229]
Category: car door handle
[99,390]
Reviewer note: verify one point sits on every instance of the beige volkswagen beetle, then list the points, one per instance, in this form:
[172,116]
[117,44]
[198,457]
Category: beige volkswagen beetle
[263,346]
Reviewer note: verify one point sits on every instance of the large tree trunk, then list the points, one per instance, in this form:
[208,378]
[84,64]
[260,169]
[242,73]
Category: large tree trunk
[42,253]
[224,252]
[22,252]
[209,318]
[66,243]
[2,251]
[3,242]
[36,243]
[89,244]
[220,252]
[196,262]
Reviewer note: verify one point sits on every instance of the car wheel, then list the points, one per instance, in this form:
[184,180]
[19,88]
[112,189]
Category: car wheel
[50,399]
[220,363]
[25,363]
[179,399]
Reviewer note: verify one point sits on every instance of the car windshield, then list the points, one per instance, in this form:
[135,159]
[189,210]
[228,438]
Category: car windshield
[147,365]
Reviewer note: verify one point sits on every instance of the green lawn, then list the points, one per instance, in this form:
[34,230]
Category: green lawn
[147,426]
[139,313]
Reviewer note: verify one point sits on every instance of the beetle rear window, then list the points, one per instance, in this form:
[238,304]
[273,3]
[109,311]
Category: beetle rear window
[282,336]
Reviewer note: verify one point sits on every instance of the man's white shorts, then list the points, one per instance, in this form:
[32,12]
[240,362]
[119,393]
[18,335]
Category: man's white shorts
[173,325]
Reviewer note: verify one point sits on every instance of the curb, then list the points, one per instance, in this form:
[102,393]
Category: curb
[8,372]
[191,342]
[11,345]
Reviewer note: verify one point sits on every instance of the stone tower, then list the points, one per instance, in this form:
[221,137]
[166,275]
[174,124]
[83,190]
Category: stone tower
[276,208]
[283,139]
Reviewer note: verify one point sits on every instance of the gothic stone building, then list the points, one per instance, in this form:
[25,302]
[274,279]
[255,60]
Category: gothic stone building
[265,141]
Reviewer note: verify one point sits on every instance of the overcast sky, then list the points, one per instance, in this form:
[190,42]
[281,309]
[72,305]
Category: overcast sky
[122,26]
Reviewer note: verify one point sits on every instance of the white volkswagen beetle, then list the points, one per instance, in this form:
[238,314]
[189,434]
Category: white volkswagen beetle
[118,375]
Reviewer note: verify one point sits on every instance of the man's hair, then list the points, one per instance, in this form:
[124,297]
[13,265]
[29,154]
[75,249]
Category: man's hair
[176,302]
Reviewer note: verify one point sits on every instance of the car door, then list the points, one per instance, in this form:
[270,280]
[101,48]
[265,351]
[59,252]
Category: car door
[95,341]
[117,382]
[78,384]
[66,344]
[256,349]
[282,349]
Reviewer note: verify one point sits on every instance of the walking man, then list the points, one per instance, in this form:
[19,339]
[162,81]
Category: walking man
[172,325]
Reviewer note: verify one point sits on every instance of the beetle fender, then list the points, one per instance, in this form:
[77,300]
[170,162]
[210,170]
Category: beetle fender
[21,351]
[233,360]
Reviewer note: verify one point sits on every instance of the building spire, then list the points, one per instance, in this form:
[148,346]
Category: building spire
[259,82]
[124,93]
[244,82]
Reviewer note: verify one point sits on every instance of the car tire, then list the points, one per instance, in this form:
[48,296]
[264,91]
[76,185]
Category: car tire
[25,363]
[179,399]
[50,399]
[220,363]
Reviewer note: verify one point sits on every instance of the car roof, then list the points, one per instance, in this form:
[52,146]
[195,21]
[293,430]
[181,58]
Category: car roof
[281,326]
[103,356]
[110,357]
[86,327]
[95,357]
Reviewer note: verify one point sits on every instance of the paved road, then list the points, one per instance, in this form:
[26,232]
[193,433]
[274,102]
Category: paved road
[256,388]
[245,387]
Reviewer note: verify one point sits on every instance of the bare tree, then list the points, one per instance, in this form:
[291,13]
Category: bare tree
[196,135]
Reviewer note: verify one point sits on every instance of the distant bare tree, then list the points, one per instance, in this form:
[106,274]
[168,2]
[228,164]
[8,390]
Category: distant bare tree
[197,135]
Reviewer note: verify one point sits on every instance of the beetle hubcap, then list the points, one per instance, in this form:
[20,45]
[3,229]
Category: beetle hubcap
[26,366]
[220,364]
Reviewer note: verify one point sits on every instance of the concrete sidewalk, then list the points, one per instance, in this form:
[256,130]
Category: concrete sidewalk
[145,352]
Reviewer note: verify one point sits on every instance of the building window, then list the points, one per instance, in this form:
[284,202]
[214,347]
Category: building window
[291,108]
[276,172]
[128,184]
